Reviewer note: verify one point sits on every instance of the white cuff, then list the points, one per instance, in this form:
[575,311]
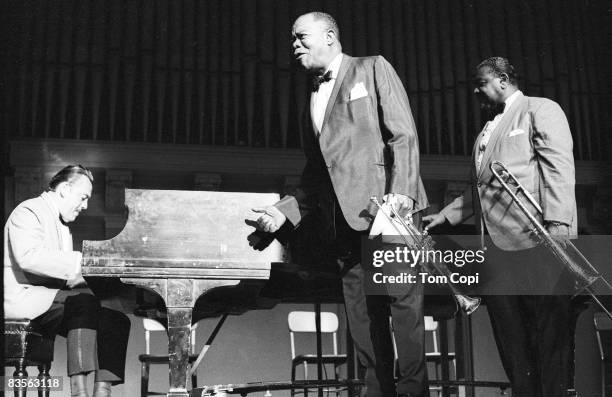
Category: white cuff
[77,269]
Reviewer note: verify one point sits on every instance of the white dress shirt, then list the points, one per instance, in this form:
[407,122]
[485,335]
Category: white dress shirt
[491,126]
[319,98]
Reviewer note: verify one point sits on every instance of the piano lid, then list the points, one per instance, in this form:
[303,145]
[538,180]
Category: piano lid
[193,234]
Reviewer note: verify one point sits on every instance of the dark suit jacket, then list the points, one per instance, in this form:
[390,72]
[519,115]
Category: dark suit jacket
[368,146]
[534,141]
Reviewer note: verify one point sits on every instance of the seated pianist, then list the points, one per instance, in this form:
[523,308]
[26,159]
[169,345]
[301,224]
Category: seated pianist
[43,282]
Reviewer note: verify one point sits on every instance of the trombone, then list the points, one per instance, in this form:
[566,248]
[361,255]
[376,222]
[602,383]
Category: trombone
[466,303]
[568,254]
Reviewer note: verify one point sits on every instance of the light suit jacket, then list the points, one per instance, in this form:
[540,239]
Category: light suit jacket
[35,266]
[367,146]
[533,140]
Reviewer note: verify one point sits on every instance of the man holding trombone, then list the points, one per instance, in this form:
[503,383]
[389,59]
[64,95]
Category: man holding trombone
[528,138]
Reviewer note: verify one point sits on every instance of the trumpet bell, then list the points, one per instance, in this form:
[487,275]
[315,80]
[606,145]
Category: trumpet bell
[468,305]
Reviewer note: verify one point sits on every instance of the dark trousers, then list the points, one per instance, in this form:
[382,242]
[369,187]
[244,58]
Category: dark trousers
[368,318]
[77,314]
[534,336]
[533,320]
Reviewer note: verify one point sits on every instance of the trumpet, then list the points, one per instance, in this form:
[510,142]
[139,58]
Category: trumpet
[422,240]
[568,254]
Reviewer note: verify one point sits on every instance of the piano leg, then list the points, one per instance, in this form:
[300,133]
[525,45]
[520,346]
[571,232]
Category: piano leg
[180,296]
[179,334]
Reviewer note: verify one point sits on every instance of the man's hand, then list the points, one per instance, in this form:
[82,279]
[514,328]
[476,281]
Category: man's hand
[559,231]
[78,281]
[434,220]
[402,204]
[271,219]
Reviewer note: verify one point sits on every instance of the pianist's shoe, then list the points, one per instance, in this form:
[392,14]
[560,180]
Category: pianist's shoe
[78,385]
[102,389]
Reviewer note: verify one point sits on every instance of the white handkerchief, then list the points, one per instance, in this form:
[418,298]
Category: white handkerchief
[392,230]
[516,132]
[381,224]
[358,91]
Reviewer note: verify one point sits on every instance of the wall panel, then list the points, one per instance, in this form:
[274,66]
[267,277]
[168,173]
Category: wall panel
[220,72]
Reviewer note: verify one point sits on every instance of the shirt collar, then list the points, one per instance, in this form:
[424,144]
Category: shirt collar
[334,66]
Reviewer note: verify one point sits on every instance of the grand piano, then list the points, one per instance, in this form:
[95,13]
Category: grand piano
[180,245]
[188,246]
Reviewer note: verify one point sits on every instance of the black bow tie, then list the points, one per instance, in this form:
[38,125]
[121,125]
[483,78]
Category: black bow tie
[319,79]
[498,109]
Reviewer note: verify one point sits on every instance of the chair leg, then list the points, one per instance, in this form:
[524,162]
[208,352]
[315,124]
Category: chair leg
[439,391]
[20,371]
[603,379]
[144,379]
[194,380]
[43,375]
[336,377]
[293,366]
[305,378]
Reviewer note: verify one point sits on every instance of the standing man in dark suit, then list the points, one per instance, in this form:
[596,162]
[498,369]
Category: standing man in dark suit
[360,142]
[533,327]
[42,281]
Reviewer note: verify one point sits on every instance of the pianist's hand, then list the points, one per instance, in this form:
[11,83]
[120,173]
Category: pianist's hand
[78,281]
[271,219]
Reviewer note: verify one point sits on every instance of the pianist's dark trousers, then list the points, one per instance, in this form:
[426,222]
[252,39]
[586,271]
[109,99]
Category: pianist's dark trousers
[368,317]
[96,336]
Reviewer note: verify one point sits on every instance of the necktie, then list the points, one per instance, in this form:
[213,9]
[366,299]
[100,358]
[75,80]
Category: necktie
[318,79]
[497,109]
[496,112]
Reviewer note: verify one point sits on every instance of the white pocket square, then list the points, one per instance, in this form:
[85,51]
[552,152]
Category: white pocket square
[358,91]
[516,132]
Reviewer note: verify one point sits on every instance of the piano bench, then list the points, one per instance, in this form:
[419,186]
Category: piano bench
[26,345]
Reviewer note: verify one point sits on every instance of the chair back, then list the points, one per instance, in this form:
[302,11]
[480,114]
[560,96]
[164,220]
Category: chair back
[152,325]
[304,321]
[432,326]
